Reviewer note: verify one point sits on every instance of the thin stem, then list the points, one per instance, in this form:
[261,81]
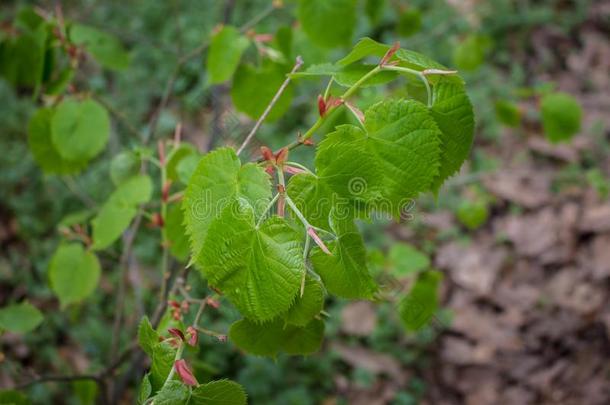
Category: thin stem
[267,209]
[172,372]
[298,63]
[417,73]
[305,254]
[298,213]
[360,82]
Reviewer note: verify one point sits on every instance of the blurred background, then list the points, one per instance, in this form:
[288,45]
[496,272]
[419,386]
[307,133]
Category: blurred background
[521,234]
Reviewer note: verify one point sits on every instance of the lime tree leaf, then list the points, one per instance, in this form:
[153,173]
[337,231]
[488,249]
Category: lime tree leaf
[405,259]
[176,233]
[175,158]
[13,397]
[418,307]
[254,88]
[163,356]
[172,393]
[224,54]
[218,180]
[307,306]
[186,167]
[75,218]
[394,159]
[145,389]
[409,22]
[313,198]
[328,23]
[452,112]
[268,339]
[22,57]
[106,49]
[118,211]
[345,272]
[220,392]
[508,113]
[259,268]
[41,146]
[20,318]
[561,116]
[73,273]
[79,129]
[124,166]
[147,336]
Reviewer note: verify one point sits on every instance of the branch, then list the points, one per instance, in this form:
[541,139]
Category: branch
[297,65]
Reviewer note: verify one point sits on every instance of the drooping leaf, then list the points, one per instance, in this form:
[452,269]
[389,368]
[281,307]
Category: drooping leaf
[259,268]
[106,49]
[452,112]
[224,54]
[345,272]
[219,180]
[268,339]
[118,211]
[418,307]
[220,392]
[79,129]
[41,146]
[147,336]
[20,318]
[254,88]
[307,306]
[22,57]
[73,273]
[172,393]
[328,23]
[561,116]
[176,232]
[163,355]
[405,259]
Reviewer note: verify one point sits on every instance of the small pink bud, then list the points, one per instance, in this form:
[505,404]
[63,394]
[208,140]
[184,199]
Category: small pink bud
[222,338]
[293,170]
[318,241]
[192,336]
[281,156]
[267,153]
[176,333]
[321,106]
[388,55]
[182,369]
[213,303]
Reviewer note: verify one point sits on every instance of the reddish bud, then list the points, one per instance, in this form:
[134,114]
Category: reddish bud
[222,338]
[176,333]
[293,170]
[269,170]
[173,303]
[333,102]
[213,303]
[191,332]
[185,374]
[321,106]
[318,240]
[388,55]
[281,156]
[157,220]
[307,142]
[267,153]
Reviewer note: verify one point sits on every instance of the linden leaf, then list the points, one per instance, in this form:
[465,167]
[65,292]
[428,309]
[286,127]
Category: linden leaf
[259,268]
[20,318]
[307,306]
[219,392]
[224,54]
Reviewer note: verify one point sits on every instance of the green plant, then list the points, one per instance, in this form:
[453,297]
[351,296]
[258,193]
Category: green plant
[272,236]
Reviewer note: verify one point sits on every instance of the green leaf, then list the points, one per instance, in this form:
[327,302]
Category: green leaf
[328,23]
[20,318]
[393,160]
[172,393]
[41,146]
[452,112]
[79,129]
[307,306]
[147,336]
[259,268]
[472,214]
[118,211]
[224,54]
[73,273]
[106,49]
[13,397]
[186,167]
[219,180]
[469,54]
[409,23]
[313,198]
[176,232]
[406,260]
[345,272]
[508,113]
[561,116]
[163,356]
[124,166]
[268,339]
[145,389]
[253,89]
[418,307]
[22,57]
[220,392]
[175,158]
